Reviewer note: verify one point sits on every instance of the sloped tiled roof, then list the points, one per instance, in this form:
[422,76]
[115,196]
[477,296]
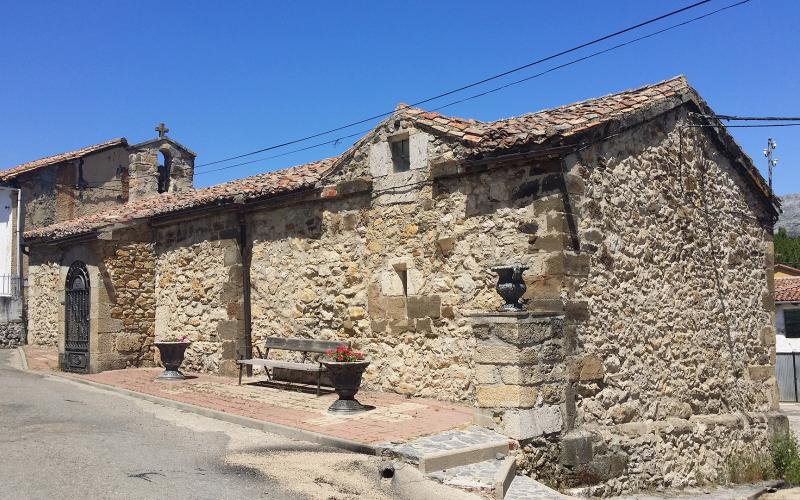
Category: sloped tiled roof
[249,188]
[552,126]
[787,290]
[563,121]
[12,172]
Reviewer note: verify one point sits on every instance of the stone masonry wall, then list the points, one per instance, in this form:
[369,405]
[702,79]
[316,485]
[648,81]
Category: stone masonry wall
[671,367]
[44,294]
[12,333]
[199,290]
[130,268]
[336,270]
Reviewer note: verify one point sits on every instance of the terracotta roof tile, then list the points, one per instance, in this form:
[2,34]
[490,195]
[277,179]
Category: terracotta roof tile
[480,137]
[271,183]
[787,290]
[12,172]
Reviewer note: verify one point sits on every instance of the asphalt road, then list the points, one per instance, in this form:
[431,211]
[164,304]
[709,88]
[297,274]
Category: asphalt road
[62,440]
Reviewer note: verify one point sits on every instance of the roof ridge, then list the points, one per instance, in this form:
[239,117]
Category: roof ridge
[680,77]
[9,172]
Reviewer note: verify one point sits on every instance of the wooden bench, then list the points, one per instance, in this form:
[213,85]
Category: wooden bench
[292,344]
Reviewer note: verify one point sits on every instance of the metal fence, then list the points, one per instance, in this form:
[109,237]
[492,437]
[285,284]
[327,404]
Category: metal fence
[9,286]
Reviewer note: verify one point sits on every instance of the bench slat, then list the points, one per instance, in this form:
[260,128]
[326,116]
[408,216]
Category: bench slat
[304,345]
[306,367]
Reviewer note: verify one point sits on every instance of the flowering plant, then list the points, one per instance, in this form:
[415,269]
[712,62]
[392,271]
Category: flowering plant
[175,338]
[343,354]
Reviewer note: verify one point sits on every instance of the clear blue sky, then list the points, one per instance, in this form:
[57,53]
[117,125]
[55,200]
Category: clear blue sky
[230,77]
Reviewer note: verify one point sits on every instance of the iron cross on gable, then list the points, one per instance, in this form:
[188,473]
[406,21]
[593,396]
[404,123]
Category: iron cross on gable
[162,130]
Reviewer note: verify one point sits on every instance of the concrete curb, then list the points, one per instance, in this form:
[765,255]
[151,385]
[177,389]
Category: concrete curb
[504,476]
[252,423]
[448,459]
[23,359]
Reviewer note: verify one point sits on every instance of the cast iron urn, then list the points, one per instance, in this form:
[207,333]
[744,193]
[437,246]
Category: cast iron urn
[510,286]
[346,379]
[171,357]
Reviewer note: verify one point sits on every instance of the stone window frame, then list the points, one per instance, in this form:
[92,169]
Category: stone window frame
[398,143]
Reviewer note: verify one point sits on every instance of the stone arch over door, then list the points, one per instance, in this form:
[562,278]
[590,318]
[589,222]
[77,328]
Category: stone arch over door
[77,307]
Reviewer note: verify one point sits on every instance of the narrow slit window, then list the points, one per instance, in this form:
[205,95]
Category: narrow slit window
[404,280]
[401,158]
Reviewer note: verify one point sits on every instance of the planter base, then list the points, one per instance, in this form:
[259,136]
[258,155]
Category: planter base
[171,375]
[347,406]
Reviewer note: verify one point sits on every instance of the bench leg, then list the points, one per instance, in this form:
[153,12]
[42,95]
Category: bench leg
[319,380]
[240,373]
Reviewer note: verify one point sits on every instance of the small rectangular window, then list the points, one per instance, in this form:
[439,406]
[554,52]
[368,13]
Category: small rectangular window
[791,323]
[401,159]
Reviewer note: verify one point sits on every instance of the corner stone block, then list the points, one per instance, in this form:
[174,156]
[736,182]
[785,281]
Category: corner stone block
[527,333]
[528,424]
[506,396]
[760,373]
[767,336]
[577,310]
[502,355]
[485,374]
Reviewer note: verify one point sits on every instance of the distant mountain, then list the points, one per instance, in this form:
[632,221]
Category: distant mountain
[790,218]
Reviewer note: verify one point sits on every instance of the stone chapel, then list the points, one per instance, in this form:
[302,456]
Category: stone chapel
[646,352]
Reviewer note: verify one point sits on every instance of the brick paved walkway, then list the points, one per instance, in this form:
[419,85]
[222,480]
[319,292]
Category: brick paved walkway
[395,418]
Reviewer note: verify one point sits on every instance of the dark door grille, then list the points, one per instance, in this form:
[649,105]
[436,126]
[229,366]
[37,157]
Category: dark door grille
[76,319]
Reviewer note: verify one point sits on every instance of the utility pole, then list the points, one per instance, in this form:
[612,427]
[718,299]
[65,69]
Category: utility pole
[771,162]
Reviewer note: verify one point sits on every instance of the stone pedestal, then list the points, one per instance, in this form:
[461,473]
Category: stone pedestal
[520,372]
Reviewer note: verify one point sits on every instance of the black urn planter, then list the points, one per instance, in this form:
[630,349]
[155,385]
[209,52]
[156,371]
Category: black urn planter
[510,286]
[346,379]
[171,357]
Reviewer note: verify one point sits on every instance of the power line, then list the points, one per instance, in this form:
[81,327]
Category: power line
[496,89]
[594,54]
[756,118]
[502,87]
[470,85]
[746,126]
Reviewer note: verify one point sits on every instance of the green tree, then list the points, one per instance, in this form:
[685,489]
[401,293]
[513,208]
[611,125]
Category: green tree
[787,248]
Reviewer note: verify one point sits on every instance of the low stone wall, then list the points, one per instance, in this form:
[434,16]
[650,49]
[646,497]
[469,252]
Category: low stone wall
[672,453]
[12,333]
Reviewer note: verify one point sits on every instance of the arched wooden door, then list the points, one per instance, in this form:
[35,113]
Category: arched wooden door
[76,319]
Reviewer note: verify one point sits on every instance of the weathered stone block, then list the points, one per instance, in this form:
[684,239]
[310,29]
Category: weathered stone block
[591,368]
[577,310]
[485,374]
[230,330]
[504,355]
[424,306]
[557,222]
[527,424]
[576,264]
[127,342]
[550,242]
[761,372]
[576,449]
[506,396]
[767,336]
[528,332]
[548,204]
